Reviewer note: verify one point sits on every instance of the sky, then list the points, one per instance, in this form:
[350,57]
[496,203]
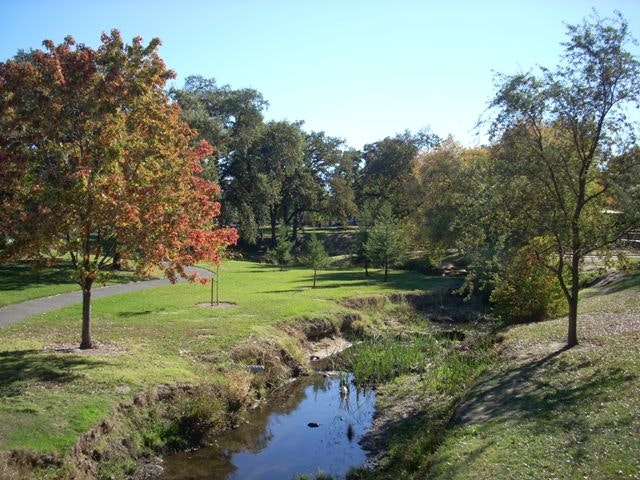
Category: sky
[360,70]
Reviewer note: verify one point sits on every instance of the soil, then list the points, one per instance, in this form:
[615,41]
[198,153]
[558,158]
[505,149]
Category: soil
[328,347]
[101,348]
[217,305]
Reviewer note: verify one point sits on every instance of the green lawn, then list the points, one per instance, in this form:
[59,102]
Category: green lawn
[48,397]
[19,282]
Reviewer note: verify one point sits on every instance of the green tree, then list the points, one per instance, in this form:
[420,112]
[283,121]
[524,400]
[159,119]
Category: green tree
[280,254]
[385,245]
[317,257]
[567,135]
[231,119]
[387,174]
[361,255]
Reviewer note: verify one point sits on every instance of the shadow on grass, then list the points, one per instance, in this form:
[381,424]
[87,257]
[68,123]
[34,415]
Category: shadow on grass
[140,313]
[330,279]
[625,282]
[23,275]
[21,367]
[523,395]
[397,279]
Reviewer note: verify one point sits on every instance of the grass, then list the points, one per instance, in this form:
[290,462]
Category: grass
[378,361]
[546,412]
[19,281]
[155,336]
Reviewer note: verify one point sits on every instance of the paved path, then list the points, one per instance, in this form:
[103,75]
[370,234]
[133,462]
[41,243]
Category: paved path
[19,311]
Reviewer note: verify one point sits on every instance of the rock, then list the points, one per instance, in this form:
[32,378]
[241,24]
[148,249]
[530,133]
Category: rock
[150,469]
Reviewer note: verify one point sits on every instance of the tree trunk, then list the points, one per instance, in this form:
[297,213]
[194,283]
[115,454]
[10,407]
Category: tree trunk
[274,241]
[572,334]
[211,303]
[86,342]
[218,284]
[295,228]
[366,268]
[386,270]
[117,262]
[314,278]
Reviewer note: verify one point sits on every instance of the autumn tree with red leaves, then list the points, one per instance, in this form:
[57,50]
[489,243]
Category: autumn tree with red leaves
[94,157]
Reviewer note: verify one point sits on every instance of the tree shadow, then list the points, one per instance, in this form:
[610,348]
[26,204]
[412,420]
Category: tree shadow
[21,367]
[625,282]
[22,275]
[522,395]
[133,314]
[397,279]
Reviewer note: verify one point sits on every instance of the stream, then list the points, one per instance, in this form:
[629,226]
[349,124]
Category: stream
[308,426]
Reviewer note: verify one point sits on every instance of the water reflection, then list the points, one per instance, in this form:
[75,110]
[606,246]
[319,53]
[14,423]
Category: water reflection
[278,443]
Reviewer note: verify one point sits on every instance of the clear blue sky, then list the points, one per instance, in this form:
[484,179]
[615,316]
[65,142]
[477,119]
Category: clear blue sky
[357,69]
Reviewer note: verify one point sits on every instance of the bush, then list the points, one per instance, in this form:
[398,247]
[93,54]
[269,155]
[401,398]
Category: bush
[525,290]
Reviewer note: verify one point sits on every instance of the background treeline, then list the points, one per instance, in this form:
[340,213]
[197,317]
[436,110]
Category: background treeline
[557,181]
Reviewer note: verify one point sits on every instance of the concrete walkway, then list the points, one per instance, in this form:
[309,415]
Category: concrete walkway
[19,311]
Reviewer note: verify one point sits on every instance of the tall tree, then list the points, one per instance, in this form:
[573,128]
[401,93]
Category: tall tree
[342,187]
[231,119]
[92,151]
[278,158]
[387,174]
[568,134]
[361,253]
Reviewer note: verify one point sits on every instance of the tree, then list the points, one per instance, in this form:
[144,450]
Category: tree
[215,252]
[567,135]
[341,186]
[385,245]
[230,119]
[361,254]
[280,254]
[387,175]
[93,155]
[317,257]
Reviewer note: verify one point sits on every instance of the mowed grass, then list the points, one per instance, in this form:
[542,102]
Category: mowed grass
[20,282]
[49,396]
[545,412]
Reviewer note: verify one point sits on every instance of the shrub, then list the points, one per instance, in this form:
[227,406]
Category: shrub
[525,290]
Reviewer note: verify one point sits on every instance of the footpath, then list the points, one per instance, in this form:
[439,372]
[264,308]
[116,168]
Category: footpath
[19,311]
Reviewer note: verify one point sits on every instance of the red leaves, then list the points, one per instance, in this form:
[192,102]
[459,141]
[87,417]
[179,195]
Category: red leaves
[132,176]
[210,245]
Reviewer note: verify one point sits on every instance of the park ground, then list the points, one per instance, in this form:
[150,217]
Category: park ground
[527,409]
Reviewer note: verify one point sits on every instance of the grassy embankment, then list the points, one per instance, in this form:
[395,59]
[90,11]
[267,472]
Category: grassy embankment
[49,395]
[538,411]
[545,412]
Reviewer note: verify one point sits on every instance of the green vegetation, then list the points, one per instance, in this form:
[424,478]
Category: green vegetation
[317,258]
[541,411]
[153,337]
[380,360]
[280,254]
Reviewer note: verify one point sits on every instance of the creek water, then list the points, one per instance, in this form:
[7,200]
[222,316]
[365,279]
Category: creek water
[280,438]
